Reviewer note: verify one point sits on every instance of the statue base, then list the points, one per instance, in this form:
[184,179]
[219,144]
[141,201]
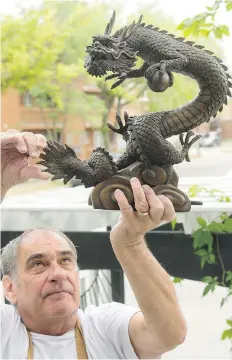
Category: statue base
[163,182]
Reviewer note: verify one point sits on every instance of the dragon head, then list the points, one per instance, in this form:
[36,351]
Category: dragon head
[111,53]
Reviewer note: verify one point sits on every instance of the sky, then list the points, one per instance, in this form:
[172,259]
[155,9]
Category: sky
[179,9]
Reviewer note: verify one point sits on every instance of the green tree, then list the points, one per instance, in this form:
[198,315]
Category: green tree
[203,24]
[46,57]
[30,47]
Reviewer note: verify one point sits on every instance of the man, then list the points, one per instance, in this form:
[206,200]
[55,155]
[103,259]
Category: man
[40,278]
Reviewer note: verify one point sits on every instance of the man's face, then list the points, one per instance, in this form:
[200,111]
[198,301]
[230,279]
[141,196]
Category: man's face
[47,276]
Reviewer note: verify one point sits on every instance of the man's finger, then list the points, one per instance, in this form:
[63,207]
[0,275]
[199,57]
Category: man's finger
[13,139]
[156,207]
[12,131]
[124,206]
[169,211]
[41,142]
[33,172]
[141,204]
[30,140]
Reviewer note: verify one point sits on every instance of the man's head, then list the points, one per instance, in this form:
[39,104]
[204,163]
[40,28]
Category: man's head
[40,274]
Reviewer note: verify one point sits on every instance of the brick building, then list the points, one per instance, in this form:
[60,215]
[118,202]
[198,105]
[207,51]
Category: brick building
[19,112]
[80,134]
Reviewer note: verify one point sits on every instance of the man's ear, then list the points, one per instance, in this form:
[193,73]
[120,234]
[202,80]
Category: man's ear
[9,287]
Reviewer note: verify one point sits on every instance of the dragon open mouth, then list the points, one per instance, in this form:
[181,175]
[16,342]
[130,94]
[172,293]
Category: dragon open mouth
[95,68]
[96,71]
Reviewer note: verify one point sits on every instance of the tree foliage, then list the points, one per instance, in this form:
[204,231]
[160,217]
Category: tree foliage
[46,58]
[203,24]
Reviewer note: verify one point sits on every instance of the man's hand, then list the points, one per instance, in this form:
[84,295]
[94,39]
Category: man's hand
[16,148]
[151,211]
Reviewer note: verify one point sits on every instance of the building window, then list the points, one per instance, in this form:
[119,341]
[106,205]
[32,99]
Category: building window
[44,100]
[26,99]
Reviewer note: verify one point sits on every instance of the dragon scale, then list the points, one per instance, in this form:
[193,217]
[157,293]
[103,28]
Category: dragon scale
[187,59]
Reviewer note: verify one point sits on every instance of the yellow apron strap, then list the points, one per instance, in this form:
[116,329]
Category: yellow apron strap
[80,344]
[30,347]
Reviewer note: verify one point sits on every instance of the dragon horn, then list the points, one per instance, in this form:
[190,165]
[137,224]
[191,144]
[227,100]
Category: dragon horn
[123,36]
[132,28]
[110,25]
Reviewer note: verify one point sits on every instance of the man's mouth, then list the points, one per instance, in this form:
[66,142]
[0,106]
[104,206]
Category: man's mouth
[57,292]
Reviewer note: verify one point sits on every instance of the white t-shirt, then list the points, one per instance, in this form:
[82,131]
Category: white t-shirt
[105,330]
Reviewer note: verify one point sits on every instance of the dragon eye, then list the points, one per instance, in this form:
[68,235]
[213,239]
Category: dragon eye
[106,42]
[122,45]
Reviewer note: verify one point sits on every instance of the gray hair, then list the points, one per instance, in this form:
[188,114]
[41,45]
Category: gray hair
[8,258]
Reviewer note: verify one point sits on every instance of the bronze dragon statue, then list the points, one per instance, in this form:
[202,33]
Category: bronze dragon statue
[148,154]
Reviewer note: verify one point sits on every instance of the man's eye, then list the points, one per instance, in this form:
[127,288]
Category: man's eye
[37,264]
[67,260]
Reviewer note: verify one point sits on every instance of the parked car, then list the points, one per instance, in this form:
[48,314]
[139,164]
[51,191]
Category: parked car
[210,139]
[75,182]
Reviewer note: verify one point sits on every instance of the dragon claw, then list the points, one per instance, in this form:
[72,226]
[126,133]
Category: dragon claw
[181,137]
[196,138]
[186,141]
[187,144]
[122,128]
[126,117]
[59,161]
[163,65]
[119,120]
[158,77]
[111,127]
[112,76]
[188,136]
[121,77]
[171,78]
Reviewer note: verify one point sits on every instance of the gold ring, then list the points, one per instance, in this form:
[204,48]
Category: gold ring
[142,213]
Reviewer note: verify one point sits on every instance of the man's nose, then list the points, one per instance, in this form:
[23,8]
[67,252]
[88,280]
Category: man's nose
[56,273]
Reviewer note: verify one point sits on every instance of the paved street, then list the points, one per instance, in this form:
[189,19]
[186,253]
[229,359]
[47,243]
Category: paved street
[212,162]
